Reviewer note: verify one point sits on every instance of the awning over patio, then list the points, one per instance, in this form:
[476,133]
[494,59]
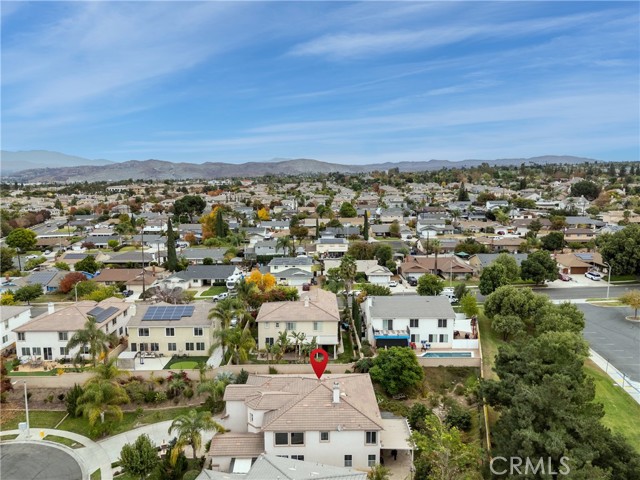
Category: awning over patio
[395,435]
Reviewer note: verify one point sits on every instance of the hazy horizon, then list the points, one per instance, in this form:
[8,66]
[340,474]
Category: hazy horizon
[349,83]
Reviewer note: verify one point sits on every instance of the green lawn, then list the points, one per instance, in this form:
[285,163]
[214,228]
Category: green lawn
[49,419]
[97,475]
[37,419]
[490,342]
[4,438]
[187,363]
[622,413]
[347,355]
[623,278]
[64,441]
[215,290]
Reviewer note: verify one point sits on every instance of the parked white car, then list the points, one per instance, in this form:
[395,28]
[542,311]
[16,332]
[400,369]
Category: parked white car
[393,283]
[220,296]
[593,276]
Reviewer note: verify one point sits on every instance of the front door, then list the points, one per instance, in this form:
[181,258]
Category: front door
[47,353]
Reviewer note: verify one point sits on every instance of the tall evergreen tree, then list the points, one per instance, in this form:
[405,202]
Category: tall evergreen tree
[172,257]
[220,230]
[365,227]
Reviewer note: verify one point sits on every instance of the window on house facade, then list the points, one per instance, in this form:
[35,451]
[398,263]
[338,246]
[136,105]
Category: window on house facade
[251,417]
[415,338]
[444,338]
[324,436]
[269,341]
[297,438]
[36,351]
[442,323]
[371,438]
[348,461]
[64,351]
[291,325]
[414,323]
[143,332]
[189,346]
[134,347]
[113,322]
[387,324]
[120,331]
[26,351]
[282,438]
[85,350]
[297,457]
[200,346]
[21,336]
[317,326]
[372,461]
[171,347]
[155,347]
[5,339]
[266,324]
[197,332]
[63,336]
[169,332]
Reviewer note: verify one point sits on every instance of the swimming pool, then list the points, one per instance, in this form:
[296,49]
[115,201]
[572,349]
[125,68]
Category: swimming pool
[447,355]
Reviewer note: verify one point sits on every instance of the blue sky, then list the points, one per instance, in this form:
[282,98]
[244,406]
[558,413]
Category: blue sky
[337,81]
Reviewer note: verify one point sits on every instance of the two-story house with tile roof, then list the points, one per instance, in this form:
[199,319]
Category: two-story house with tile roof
[333,420]
[315,314]
[45,337]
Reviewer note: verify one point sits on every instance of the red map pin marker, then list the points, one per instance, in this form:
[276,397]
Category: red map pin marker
[319,364]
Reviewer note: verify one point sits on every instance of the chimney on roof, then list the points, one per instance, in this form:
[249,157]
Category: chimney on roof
[306,301]
[51,308]
[336,392]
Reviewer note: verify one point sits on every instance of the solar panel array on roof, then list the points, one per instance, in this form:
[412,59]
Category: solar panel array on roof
[104,315]
[585,256]
[95,311]
[43,278]
[172,312]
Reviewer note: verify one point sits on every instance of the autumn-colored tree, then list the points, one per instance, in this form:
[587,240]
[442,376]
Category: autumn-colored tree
[69,280]
[213,225]
[263,214]
[191,238]
[263,282]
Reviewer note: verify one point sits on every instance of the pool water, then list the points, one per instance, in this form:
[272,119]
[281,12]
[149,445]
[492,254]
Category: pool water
[447,355]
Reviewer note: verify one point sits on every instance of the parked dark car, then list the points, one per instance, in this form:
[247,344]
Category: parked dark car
[306,287]
[127,293]
[412,281]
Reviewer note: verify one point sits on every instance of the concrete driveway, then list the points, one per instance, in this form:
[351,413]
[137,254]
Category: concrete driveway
[613,337]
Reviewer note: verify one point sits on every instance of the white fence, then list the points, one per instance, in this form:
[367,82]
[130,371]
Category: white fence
[464,343]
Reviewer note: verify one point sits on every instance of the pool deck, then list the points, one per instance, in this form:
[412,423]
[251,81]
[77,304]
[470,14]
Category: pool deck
[473,361]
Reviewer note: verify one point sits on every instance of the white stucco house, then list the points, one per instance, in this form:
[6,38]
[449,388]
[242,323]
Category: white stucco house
[379,275]
[12,317]
[45,337]
[334,420]
[401,320]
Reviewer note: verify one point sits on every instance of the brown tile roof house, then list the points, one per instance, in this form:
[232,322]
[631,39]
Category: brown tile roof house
[322,306]
[416,266]
[268,407]
[128,276]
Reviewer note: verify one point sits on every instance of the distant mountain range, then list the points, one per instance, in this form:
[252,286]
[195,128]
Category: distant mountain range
[58,167]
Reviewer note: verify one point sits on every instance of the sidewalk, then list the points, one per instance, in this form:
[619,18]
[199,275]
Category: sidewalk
[101,454]
[629,386]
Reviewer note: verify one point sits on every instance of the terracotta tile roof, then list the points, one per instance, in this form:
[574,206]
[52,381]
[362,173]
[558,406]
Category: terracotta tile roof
[322,306]
[73,317]
[237,445]
[356,410]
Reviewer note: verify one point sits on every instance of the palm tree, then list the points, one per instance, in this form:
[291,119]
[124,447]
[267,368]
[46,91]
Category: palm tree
[177,384]
[299,338]
[436,247]
[221,339]
[283,341]
[107,371]
[240,343]
[215,388]
[93,338]
[348,270]
[101,397]
[225,311]
[284,243]
[244,289]
[189,428]
[307,348]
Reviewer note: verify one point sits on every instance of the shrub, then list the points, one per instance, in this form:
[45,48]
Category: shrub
[416,416]
[160,397]
[459,390]
[242,378]
[72,399]
[188,392]
[150,396]
[363,365]
[273,370]
[458,417]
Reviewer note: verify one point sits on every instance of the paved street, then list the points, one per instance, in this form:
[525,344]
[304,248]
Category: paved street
[574,293]
[38,461]
[613,337]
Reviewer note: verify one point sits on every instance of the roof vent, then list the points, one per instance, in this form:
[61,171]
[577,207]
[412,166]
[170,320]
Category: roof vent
[336,392]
